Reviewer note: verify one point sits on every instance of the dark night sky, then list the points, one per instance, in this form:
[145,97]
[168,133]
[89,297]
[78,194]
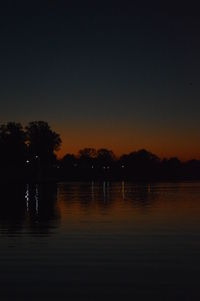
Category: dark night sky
[121,75]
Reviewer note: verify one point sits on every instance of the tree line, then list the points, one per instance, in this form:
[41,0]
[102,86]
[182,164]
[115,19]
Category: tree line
[137,165]
[29,153]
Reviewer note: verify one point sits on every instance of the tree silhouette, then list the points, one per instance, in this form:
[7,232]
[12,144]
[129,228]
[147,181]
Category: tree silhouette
[68,161]
[172,168]
[88,152]
[87,157]
[12,145]
[42,143]
[140,164]
[105,157]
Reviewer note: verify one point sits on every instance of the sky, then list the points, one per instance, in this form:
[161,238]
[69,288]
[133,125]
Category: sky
[123,75]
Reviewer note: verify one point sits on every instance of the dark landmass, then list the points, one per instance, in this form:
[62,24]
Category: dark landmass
[28,155]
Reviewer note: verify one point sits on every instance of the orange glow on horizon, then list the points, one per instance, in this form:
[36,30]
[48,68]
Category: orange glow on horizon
[162,142]
[163,145]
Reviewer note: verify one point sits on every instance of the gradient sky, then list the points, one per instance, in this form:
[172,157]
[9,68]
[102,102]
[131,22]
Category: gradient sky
[121,75]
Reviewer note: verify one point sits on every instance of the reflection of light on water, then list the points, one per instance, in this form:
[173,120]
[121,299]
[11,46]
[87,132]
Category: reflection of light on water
[106,191]
[29,200]
[149,188]
[27,197]
[36,198]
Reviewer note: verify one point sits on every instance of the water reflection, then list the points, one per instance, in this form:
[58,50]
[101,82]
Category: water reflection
[32,208]
[89,197]
[100,241]
[106,193]
[126,200]
[12,209]
[40,208]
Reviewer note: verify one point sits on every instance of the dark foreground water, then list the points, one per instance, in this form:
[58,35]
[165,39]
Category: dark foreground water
[100,241]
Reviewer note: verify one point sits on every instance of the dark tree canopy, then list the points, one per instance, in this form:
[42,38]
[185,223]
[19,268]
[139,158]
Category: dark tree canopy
[12,144]
[69,161]
[87,157]
[42,141]
[88,153]
[105,156]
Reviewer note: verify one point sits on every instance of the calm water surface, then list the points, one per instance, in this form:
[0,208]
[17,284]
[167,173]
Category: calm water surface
[100,241]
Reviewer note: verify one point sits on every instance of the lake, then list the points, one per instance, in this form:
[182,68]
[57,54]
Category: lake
[100,241]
